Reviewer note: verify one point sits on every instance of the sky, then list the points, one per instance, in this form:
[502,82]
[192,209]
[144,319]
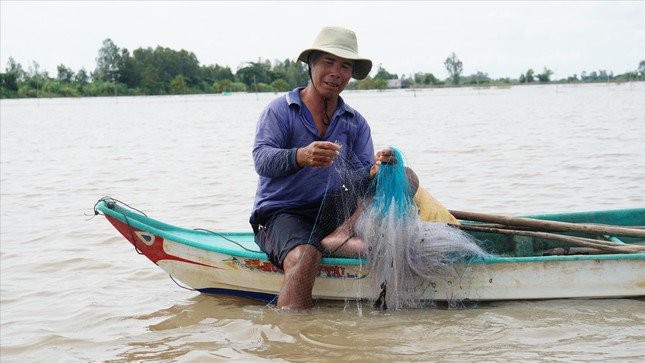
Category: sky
[500,38]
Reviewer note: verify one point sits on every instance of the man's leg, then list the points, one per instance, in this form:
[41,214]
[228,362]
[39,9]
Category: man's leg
[281,239]
[342,241]
[301,266]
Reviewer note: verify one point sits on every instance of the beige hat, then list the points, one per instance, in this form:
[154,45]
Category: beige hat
[342,43]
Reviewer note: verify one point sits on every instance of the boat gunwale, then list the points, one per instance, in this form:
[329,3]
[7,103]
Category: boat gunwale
[144,223]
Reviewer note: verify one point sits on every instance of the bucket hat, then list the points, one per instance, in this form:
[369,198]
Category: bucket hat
[342,43]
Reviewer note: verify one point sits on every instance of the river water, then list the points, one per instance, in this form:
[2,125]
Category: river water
[72,289]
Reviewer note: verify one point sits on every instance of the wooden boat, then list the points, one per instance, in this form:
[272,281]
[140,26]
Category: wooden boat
[523,267]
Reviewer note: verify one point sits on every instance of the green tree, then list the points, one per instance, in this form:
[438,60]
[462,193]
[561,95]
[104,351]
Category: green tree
[255,73]
[212,74]
[238,87]
[172,63]
[380,84]
[222,85]
[9,81]
[150,81]
[593,76]
[426,79]
[34,81]
[280,85]
[9,84]
[107,62]
[529,76]
[178,84]
[154,70]
[65,75]
[641,69]
[294,73]
[128,72]
[263,87]
[143,65]
[545,76]
[384,75]
[602,75]
[365,83]
[16,68]
[477,78]
[82,78]
[454,67]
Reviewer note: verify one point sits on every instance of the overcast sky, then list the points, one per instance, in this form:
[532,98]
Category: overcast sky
[503,39]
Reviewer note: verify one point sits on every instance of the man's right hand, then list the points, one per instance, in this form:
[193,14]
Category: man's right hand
[318,154]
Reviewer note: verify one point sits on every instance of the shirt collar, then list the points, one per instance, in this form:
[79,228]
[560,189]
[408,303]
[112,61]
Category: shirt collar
[293,98]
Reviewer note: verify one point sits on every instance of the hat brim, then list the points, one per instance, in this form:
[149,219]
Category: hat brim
[362,66]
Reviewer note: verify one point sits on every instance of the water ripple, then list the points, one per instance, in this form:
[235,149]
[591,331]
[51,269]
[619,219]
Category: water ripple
[73,289]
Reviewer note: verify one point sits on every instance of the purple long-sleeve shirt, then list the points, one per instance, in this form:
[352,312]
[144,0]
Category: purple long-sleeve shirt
[284,127]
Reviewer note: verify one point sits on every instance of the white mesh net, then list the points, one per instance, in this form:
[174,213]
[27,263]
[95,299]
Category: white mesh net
[405,255]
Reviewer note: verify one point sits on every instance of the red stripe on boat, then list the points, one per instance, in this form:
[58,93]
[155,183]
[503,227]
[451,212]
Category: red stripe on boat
[154,251]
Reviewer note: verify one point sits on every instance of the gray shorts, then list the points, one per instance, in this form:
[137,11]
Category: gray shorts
[286,230]
[277,232]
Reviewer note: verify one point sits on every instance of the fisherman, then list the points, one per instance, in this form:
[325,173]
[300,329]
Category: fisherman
[298,138]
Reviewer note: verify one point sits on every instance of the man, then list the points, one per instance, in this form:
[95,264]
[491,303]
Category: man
[298,138]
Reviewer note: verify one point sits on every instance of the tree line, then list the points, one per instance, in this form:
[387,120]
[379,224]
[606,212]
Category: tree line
[164,71]
[454,67]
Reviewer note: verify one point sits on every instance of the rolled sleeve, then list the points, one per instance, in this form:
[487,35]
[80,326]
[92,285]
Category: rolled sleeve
[271,156]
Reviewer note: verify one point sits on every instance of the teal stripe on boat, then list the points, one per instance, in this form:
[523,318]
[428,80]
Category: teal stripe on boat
[624,256]
[617,217]
[197,238]
[210,242]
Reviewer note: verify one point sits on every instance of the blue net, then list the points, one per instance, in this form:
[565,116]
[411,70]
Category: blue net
[392,190]
[410,263]
[418,261]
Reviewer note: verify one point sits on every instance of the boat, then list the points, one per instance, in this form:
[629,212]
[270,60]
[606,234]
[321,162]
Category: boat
[522,267]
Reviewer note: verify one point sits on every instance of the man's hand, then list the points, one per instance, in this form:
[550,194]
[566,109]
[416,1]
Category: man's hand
[384,156]
[318,154]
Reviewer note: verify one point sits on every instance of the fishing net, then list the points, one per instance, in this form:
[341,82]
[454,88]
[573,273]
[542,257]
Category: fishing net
[406,258]
[406,255]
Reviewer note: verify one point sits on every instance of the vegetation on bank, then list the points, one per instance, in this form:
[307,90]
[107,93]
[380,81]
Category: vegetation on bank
[164,71]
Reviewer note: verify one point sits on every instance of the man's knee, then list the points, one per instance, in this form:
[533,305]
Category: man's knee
[305,254]
[328,242]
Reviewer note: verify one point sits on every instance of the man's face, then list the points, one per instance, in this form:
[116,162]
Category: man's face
[330,74]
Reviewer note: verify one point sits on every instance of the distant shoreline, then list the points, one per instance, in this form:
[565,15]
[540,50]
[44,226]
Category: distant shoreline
[164,71]
[497,85]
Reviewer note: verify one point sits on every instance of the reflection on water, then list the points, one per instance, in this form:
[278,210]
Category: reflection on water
[228,328]
[74,290]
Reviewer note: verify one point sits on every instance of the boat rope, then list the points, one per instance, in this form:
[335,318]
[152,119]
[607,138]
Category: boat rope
[111,203]
[226,238]
[134,240]
[177,283]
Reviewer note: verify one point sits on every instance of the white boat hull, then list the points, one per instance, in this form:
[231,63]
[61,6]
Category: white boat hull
[600,276]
